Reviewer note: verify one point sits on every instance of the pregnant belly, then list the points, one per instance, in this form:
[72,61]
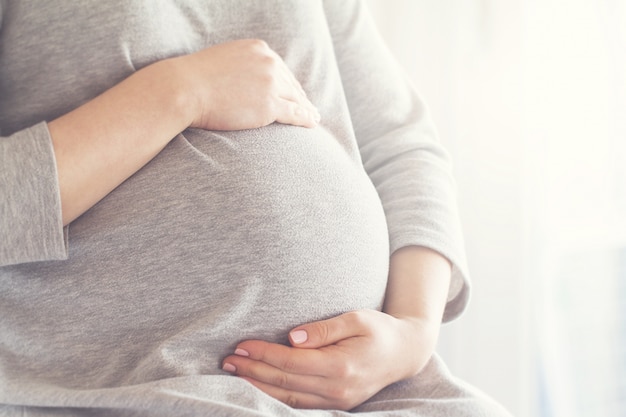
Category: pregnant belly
[219,239]
[294,226]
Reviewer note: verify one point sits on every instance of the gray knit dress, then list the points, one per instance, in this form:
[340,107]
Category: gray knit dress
[222,237]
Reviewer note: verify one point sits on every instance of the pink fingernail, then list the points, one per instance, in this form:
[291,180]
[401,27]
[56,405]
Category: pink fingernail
[228,367]
[241,352]
[299,336]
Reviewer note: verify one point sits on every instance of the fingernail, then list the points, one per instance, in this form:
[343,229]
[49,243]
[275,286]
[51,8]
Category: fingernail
[241,352]
[316,116]
[299,336]
[228,367]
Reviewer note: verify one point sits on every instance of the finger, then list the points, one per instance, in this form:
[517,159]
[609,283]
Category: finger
[288,359]
[330,331]
[296,399]
[290,93]
[289,79]
[291,90]
[287,74]
[296,113]
[268,374]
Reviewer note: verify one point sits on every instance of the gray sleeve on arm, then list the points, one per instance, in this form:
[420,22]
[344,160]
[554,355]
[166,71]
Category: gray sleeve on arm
[31,225]
[399,145]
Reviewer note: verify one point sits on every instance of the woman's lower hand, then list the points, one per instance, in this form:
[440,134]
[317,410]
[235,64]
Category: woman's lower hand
[337,363]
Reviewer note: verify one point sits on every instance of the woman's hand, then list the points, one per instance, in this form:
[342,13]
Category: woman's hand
[242,84]
[343,361]
[337,363]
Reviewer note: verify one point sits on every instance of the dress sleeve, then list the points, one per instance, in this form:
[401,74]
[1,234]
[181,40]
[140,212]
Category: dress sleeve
[398,144]
[31,226]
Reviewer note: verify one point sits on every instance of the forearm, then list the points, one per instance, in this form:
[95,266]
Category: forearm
[236,85]
[417,290]
[419,279]
[102,143]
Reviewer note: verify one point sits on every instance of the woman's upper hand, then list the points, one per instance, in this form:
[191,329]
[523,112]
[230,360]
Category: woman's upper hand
[337,363]
[241,84]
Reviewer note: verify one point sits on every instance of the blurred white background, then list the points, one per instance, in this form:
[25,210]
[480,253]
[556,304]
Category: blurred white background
[529,96]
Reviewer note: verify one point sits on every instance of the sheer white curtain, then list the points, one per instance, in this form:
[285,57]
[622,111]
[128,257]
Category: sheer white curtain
[530,98]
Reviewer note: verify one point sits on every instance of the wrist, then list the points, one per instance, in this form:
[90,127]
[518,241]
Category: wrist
[169,78]
[420,336]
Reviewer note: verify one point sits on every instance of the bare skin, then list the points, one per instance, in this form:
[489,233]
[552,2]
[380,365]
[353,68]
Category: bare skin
[343,361]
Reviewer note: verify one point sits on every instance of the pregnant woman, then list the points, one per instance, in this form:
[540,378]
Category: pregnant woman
[220,208]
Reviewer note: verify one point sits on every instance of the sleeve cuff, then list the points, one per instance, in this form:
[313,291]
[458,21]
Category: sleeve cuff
[30,208]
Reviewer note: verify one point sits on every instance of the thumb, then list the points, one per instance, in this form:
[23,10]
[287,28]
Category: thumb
[327,332]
